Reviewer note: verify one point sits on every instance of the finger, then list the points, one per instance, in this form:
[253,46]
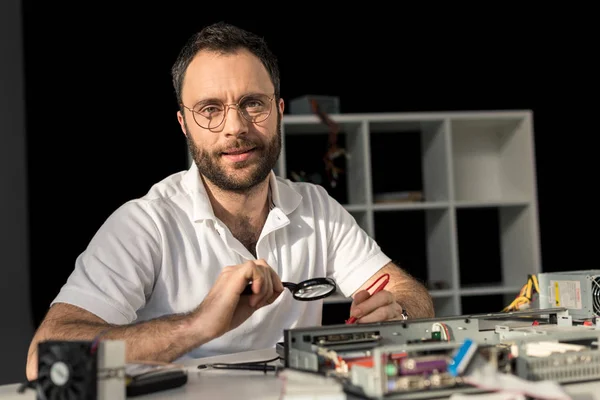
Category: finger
[260,266]
[367,306]
[262,291]
[381,314]
[390,312]
[229,276]
[277,284]
[359,297]
[385,313]
[277,287]
[261,261]
[253,273]
[267,289]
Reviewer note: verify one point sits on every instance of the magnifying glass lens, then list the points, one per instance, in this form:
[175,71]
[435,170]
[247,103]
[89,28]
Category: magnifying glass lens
[311,289]
[314,289]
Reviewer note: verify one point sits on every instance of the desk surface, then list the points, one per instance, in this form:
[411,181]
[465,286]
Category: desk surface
[251,385]
[211,384]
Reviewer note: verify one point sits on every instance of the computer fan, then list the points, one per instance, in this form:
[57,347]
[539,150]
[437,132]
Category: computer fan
[67,370]
[82,370]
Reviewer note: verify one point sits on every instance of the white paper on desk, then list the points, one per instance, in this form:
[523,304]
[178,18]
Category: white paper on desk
[488,378]
[310,386]
[488,396]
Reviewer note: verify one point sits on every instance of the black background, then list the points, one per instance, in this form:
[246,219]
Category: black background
[101,113]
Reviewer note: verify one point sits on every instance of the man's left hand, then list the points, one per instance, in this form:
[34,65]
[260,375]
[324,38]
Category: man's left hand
[381,306]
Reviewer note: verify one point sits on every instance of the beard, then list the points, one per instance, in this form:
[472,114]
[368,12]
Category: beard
[209,165]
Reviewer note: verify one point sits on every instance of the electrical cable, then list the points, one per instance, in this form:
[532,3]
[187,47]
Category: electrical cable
[525,295]
[262,365]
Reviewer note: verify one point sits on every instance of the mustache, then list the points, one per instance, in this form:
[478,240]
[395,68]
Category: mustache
[238,144]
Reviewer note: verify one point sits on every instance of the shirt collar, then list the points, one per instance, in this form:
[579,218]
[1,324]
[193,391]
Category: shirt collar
[283,195]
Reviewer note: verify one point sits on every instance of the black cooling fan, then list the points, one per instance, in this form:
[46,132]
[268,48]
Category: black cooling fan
[596,295]
[67,370]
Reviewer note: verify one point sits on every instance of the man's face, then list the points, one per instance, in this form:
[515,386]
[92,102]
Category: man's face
[238,154]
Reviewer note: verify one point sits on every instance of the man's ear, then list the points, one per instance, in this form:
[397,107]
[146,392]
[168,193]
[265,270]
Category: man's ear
[181,121]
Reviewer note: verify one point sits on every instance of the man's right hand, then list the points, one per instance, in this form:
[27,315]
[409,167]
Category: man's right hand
[224,308]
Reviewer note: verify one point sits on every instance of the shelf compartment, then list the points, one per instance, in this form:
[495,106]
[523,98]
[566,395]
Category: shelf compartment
[312,125]
[497,245]
[305,147]
[479,254]
[492,158]
[479,290]
[356,207]
[409,161]
[420,242]
[483,304]
[444,306]
[519,238]
[410,206]
[501,203]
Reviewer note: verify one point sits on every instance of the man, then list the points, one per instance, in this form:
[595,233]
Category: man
[166,272]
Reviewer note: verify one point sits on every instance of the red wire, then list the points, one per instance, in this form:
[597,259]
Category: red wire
[379,289]
[387,276]
[96,341]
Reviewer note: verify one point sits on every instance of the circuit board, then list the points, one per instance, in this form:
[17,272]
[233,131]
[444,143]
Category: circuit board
[426,358]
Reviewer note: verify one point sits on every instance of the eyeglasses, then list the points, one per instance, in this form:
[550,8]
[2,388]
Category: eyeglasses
[254,108]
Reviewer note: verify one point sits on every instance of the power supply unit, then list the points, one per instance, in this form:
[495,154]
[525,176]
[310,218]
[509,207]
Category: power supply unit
[578,291]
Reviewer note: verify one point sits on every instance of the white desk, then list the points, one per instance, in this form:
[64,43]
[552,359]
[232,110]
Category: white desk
[227,384]
[205,383]
[250,385]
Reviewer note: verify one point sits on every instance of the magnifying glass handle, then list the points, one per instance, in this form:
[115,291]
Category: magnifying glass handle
[248,288]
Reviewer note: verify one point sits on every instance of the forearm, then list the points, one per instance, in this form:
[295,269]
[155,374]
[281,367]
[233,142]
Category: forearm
[411,294]
[163,339]
[414,299]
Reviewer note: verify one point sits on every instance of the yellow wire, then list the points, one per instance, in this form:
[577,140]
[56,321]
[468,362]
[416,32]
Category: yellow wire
[525,294]
[535,283]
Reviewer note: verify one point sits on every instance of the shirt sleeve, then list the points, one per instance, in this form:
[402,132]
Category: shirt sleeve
[115,274]
[353,256]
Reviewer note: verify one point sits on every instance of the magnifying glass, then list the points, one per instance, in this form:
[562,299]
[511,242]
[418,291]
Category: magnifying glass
[308,290]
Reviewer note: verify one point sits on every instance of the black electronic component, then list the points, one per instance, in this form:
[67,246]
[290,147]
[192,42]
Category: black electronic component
[155,382]
[67,370]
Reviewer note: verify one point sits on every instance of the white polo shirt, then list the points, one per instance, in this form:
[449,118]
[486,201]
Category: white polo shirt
[160,254]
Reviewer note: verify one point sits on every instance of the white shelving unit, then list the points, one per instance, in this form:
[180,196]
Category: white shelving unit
[464,163]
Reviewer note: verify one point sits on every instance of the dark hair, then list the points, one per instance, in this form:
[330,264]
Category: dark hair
[226,39]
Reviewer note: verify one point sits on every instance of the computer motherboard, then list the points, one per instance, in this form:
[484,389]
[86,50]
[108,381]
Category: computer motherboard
[424,358]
